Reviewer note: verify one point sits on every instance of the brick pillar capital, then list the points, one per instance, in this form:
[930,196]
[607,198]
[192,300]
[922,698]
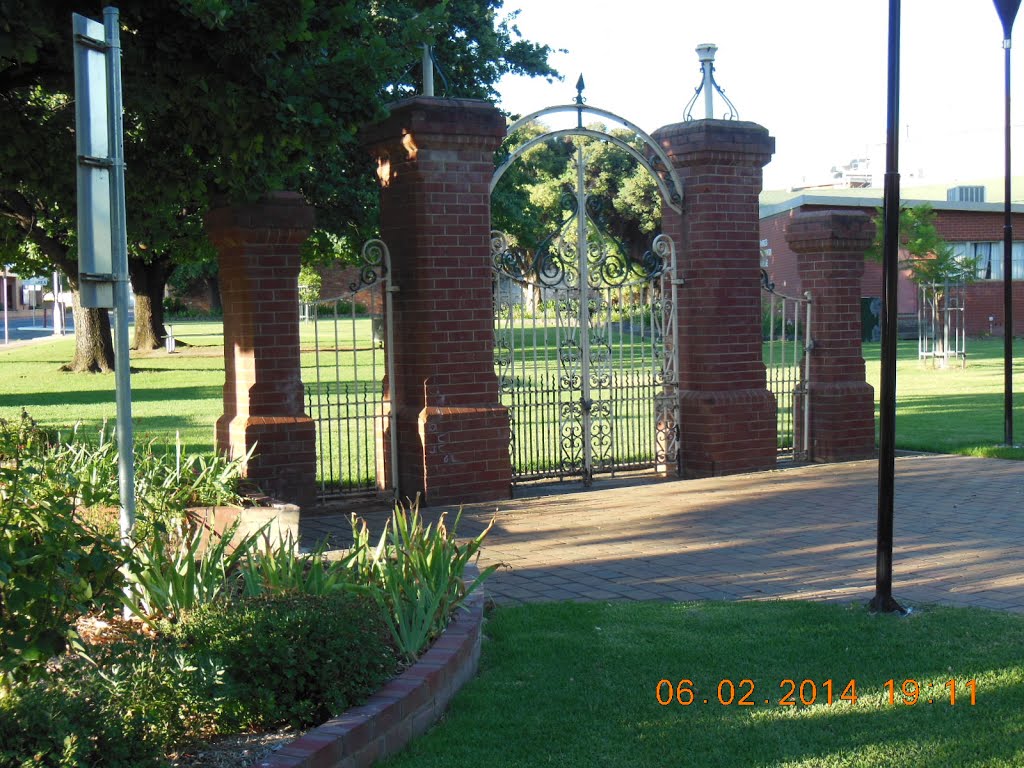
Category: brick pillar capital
[831,231]
[728,142]
[422,126]
[284,211]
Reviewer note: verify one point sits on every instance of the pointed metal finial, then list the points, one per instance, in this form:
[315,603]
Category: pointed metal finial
[580,85]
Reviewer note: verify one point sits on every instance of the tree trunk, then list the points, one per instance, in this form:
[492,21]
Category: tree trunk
[149,281]
[94,348]
[213,285]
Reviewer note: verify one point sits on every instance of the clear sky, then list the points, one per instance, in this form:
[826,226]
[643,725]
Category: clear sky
[813,72]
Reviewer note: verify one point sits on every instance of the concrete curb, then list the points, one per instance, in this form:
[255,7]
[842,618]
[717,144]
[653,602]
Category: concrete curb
[400,711]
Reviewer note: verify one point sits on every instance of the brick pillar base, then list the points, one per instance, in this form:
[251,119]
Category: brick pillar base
[258,247]
[830,247]
[435,159]
[727,414]
[727,432]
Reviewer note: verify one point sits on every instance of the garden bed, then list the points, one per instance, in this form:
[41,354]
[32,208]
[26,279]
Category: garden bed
[402,710]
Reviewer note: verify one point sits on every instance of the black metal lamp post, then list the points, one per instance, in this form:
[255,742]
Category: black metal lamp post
[1007,10]
[883,601]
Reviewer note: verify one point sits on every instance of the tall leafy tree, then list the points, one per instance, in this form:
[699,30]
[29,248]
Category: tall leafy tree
[930,261]
[532,200]
[225,100]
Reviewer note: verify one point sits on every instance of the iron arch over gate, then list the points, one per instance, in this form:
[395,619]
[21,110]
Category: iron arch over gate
[585,327]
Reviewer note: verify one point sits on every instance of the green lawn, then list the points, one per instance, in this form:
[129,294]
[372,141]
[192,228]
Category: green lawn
[179,392]
[952,410]
[578,685]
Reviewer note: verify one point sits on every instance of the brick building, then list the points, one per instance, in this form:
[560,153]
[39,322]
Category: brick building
[972,228]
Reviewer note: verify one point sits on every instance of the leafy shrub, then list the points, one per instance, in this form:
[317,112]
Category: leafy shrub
[52,565]
[178,309]
[67,723]
[310,284]
[293,658]
[170,695]
[166,481]
[339,307]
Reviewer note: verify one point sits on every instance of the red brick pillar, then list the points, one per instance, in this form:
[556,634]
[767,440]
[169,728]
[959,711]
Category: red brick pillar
[258,246]
[830,248]
[435,159]
[727,414]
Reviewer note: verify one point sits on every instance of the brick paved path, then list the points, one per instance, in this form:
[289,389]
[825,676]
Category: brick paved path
[803,533]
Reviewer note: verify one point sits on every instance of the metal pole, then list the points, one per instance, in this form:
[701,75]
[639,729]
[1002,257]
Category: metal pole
[119,243]
[6,337]
[806,448]
[428,71]
[709,91]
[389,362]
[1007,273]
[584,313]
[883,601]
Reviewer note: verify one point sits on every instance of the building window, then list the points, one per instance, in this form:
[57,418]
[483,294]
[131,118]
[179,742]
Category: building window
[989,257]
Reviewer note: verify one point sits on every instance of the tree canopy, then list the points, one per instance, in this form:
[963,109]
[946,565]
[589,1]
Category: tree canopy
[928,257]
[529,200]
[226,100]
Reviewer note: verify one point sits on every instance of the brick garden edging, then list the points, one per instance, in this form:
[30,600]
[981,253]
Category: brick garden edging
[400,711]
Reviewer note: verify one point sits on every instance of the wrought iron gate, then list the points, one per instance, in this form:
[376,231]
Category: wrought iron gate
[786,330]
[345,357]
[585,331]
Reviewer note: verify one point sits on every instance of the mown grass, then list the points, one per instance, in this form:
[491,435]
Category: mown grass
[180,392]
[576,685]
[955,410]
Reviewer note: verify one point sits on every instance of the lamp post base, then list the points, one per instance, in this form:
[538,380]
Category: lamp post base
[886,604]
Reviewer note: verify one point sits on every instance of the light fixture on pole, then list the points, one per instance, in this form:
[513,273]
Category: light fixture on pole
[1007,10]
[883,601]
[708,86]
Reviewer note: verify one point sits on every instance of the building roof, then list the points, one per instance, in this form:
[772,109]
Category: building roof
[774,202]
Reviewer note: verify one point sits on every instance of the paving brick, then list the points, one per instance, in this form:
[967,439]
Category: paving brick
[716,538]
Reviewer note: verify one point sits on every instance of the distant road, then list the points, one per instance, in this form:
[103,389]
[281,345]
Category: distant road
[26,327]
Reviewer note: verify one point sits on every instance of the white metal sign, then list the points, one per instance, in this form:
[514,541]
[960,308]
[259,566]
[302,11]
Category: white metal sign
[95,238]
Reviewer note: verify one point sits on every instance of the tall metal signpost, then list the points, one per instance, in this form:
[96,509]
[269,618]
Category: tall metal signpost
[102,237]
[883,601]
[6,336]
[1007,10]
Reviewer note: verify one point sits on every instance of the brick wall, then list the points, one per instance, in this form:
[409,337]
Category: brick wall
[984,298]
[338,280]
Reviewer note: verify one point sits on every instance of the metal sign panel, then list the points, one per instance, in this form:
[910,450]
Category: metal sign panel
[95,236]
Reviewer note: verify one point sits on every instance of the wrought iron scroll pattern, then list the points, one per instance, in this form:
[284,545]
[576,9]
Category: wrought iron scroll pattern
[621,321]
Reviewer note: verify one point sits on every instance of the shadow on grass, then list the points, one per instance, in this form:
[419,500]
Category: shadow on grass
[30,400]
[575,685]
[954,422]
